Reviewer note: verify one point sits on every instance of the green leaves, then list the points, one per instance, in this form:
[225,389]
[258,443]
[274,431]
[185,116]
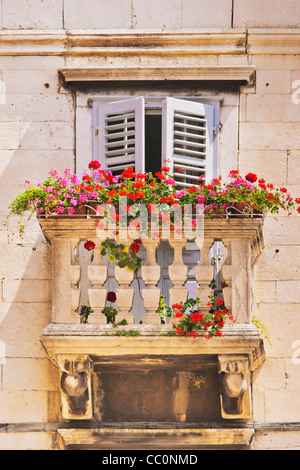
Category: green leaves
[125,257]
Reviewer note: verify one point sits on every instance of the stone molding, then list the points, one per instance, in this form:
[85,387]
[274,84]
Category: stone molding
[242,74]
[130,438]
[107,43]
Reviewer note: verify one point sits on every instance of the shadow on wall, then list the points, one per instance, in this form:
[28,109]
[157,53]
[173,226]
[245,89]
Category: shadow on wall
[29,148]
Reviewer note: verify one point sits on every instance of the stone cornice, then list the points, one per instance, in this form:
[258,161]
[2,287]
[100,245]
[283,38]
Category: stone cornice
[241,74]
[150,43]
[270,41]
[100,341]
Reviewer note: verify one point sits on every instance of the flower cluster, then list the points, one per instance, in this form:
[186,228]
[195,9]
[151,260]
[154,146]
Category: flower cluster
[99,192]
[190,319]
[248,194]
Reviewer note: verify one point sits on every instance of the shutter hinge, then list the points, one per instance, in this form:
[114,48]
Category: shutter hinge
[219,127]
[96,131]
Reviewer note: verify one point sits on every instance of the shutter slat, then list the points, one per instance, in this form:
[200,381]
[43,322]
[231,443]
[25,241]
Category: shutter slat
[189,143]
[178,151]
[189,117]
[118,135]
[119,117]
[118,143]
[187,135]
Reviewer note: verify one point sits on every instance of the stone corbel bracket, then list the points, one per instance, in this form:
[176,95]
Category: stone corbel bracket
[235,387]
[75,386]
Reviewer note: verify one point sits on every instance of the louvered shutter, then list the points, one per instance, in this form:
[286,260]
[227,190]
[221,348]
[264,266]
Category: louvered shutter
[188,140]
[120,129]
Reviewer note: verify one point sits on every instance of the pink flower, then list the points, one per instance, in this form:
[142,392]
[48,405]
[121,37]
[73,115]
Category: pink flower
[70,210]
[200,198]
[73,201]
[83,197]
[59,209]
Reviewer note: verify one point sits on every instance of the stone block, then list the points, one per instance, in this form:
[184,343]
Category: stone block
[273,81]
[33,440]
[259,14]
[260,162]
[281,231]
[24,320]
[284,264]
[293,169]
[33,165]
[271,376]
[288,291]
[282,406]
[271,108]
[201,14]
[276,440]
[95,15]
[29,374]
[26,262]
[145,14]
[27,291]
[36,14]
[9,135]
[37,107]
[20,63]
[46,135]
[270,136]
[265,292]
[281,322]
[29,406]
[292,366]
[31,81]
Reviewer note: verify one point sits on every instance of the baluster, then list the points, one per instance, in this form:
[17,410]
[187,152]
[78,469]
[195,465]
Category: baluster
[150,273]
[178,273]
[75,278]
[64,275]
[204,273]
[227,276]
[97,274]
[124,292]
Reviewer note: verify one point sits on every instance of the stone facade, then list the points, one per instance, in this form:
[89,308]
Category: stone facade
[45,122]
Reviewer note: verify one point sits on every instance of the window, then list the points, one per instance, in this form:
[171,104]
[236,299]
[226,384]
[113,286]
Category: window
[143,132]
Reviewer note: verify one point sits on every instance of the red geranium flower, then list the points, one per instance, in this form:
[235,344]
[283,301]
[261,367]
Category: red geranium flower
[89,245]
[94,164]
[251,177]
[111,296]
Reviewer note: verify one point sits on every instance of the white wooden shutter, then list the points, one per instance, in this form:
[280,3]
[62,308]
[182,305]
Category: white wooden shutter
[188,140]
[120,132]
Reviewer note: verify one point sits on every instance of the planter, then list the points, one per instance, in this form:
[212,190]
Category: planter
[240,210]
[91,208]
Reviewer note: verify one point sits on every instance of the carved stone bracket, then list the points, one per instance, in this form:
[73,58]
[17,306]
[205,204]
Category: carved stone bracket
[75,385]
[235,391]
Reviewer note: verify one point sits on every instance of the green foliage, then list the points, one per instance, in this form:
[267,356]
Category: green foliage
[125,258]
[262,329]
[84,312]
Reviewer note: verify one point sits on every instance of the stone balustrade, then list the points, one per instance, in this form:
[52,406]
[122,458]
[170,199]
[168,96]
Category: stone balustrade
[242,238]
[77,349]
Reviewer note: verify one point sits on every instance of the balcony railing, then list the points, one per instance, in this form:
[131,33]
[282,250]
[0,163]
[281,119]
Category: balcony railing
[242,238]
[75,347]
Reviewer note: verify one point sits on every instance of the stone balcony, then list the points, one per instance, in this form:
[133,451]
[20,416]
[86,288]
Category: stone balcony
[192,380]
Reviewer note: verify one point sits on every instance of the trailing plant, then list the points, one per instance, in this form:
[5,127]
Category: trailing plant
[190,319]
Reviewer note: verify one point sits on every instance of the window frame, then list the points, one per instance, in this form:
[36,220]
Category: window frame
[154,104]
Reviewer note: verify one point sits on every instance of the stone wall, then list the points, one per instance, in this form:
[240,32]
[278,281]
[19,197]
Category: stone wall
[37,133]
